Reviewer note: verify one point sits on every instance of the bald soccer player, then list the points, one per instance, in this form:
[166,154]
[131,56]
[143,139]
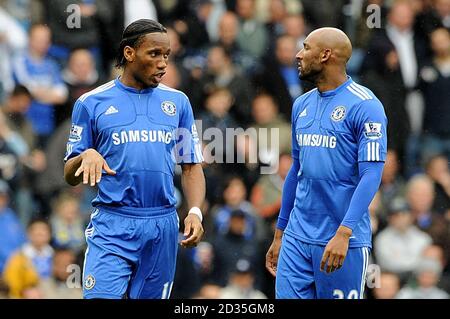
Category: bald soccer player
[323,239]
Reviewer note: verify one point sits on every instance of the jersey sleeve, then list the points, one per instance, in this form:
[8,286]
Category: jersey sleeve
[80,136]
[294,116]
[188,147]
[371,131]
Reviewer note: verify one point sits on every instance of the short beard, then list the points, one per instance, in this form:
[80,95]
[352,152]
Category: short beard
[313,76]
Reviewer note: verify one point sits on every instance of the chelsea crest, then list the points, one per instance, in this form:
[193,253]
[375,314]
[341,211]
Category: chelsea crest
[169,108]
[338,113]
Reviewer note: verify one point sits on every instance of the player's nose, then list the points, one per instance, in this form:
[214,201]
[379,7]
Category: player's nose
[299,55]
[162,64]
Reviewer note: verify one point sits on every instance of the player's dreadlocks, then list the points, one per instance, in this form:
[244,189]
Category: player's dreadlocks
[133,35]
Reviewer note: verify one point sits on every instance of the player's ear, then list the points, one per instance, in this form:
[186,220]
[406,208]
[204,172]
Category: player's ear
[129,53]
[325,55]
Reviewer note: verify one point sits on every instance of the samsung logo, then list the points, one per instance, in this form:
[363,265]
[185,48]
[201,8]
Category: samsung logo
[316,140]
[134,136]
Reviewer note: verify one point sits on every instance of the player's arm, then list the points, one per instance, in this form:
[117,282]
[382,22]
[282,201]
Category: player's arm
[193,183]
[188,154]
[287,202]
[370,126]
[336,250]
[82,162]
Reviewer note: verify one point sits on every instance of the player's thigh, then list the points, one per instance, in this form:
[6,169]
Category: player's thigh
[107,266]
[105,274]
[295,275]
[154,275]
[345,283]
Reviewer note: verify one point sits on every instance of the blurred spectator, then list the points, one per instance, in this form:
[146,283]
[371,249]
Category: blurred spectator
[217,105]
[442,8]
[67,35]
[139,9]
[192,28]
[392,183]
[323,13]
[51,182]
[274,24]
[32,263]
[228,32]
[9,158]
[388,288]
[374,211]
[187,281]
[217,117]
[58,286]
[241,283]
[266,194]
[434,82]
[231,246]
[169,11]
[26,12]
[222,73]
[67,223]
[15,108]
[11,230]
[245,162]
[441,255]
[252,37]
[420,196]
[359,14]
[427,274]
[13,39]
[18,133]
[234,197]
[80,76]
[294,26]
[208,291]
[42,77]
[203,259]
[437,168]
[427,19]
[279,75]
[212,11]
[268,124]
[399,246]
[390,69]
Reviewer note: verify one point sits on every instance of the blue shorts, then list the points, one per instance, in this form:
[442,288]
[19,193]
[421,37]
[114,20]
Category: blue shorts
[130,254]
[299,275]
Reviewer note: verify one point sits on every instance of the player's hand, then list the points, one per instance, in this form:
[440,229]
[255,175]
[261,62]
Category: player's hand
[193,231]
[336,250]
[273,252]
[92,164]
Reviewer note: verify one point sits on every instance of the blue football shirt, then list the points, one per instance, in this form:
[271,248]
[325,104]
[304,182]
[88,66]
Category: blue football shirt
[142,135]
[331,132]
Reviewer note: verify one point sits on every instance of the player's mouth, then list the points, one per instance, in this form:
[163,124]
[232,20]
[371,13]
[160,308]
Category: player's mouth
[158,76]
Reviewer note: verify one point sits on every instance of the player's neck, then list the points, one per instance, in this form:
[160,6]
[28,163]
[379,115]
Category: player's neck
[129,80]
[331,82]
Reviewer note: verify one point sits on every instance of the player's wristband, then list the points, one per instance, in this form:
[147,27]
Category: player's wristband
[196,211]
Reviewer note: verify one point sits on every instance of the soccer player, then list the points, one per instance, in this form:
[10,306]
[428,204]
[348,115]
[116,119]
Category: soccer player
[126,137]
[323,238]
